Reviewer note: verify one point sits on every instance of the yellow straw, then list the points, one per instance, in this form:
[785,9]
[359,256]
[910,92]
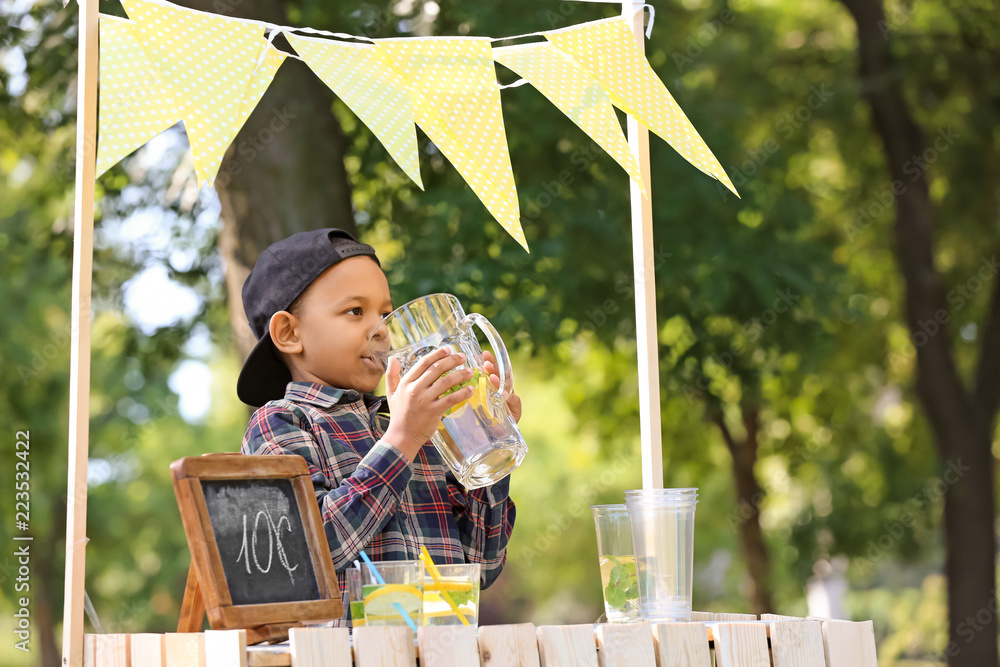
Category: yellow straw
[432,568]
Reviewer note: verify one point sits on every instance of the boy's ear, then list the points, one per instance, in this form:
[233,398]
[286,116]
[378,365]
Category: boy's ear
[284,336]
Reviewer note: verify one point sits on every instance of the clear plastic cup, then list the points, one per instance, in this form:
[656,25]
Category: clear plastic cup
[460,584]
[355,595]
[400,594]
[617,562]
[663,536]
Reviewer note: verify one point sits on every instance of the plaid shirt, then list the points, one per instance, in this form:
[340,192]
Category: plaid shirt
[369,497]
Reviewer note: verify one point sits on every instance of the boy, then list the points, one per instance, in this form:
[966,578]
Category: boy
[312,300]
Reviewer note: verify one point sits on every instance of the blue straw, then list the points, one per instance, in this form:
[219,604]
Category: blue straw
[381,581]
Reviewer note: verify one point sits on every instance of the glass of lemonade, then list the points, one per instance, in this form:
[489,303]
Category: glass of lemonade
[402,593]
[460,583]
[617,561]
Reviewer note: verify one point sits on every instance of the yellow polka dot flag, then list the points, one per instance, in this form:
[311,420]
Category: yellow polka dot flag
[259,81]
[361,76]
[456,101]
[206,61]
[576,93]
[134,104]
[608,50]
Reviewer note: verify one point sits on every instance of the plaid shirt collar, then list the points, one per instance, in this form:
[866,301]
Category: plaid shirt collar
[325,397]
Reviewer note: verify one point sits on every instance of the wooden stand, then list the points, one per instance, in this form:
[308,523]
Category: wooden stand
[193,616]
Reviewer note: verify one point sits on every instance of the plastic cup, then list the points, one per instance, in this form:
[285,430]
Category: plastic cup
[400,594]
[460,582]
[663,536]
[356,597]
[617,562]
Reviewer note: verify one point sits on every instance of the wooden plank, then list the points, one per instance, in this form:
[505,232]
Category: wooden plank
[184,649]
[81,313]
[192,604]
[318,647]
[319,545]
[275,613]
[681,645]
[567,646]
[147,650]
[447,646]
[227,466]
[625,645]
[797,644]
[729,618]
[226,648]
[741,645]
[278,655]
[780,617]
[702,616]
[109,650]
[509,645]
[849,644]
[384,647]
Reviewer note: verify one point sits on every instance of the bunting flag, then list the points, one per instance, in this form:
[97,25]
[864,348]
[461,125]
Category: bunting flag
[168,64]
[576,93]
[134,106]
[456,101]
[609,51]
[259,82]
[375,91]
[206,61]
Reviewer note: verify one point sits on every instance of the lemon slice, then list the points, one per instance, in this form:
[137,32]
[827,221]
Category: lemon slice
[380,602]
[445,585]
[475,381]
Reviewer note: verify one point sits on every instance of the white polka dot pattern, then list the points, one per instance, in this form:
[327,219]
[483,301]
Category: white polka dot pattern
[134,104]
[456,101]
[259,82]
[576,93]
[374,90]
[609,51]
[206,61]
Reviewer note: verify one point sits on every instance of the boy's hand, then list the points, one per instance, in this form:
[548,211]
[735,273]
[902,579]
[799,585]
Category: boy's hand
[416,403]
[513,401]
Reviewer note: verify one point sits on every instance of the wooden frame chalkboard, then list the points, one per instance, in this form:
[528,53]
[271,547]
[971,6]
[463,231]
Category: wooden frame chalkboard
[295,583]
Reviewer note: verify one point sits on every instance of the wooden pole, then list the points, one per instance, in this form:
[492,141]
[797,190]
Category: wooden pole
[645,287]
[79,389]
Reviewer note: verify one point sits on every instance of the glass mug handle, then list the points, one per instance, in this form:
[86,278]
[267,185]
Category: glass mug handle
[503,361]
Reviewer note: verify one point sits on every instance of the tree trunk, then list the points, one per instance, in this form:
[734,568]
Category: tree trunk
[284,172]
[749,497]
[962,421]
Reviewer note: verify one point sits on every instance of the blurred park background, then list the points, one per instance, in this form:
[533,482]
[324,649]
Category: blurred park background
[790,372]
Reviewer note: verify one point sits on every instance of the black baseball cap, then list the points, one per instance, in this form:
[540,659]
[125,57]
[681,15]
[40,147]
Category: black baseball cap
[281,275]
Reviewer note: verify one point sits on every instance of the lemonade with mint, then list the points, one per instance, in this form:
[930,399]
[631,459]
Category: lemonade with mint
[464,596]
[620,587]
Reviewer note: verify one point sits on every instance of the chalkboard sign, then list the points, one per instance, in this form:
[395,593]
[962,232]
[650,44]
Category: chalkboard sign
[259,555]
[261,542]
